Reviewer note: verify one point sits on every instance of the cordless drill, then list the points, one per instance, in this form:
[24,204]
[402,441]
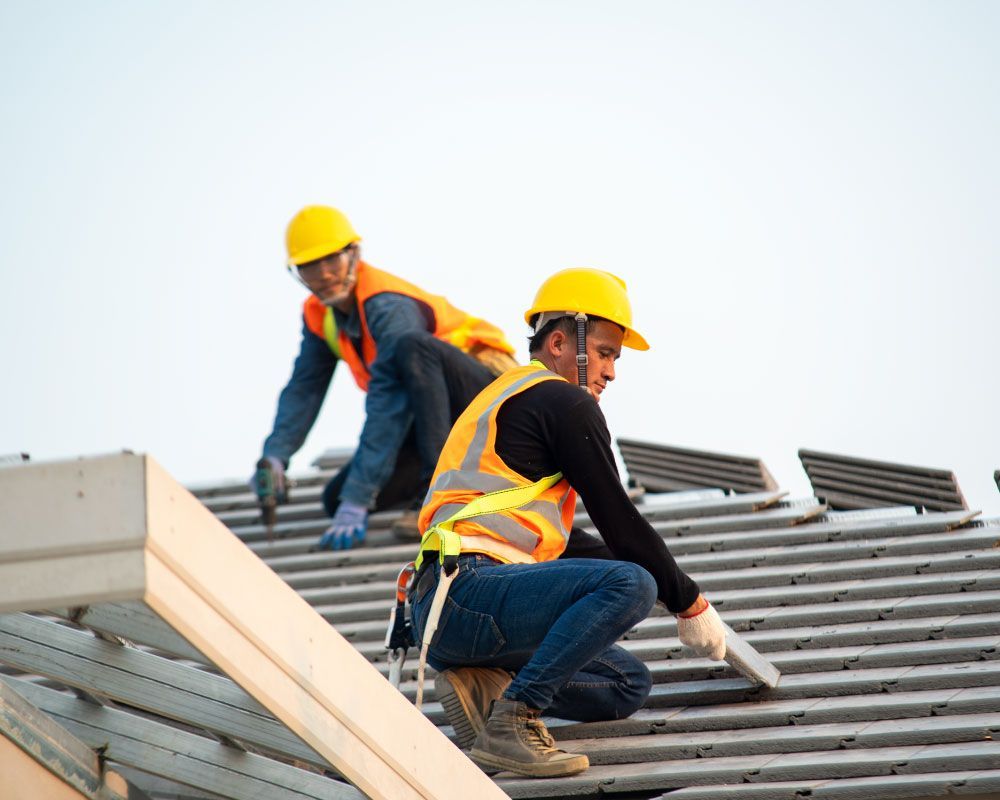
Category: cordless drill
[270,494]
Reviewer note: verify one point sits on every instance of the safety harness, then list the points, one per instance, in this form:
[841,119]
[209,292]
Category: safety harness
[448,545]
[442,540]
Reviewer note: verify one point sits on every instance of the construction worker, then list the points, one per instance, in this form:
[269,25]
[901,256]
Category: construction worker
[532,612]
[420,360]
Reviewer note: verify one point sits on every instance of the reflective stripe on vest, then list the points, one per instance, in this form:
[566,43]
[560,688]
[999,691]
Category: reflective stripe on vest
[445,322]
[469,467]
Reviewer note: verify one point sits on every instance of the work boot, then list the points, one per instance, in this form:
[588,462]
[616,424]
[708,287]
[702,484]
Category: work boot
[516,740]
[405,526]
[466,694]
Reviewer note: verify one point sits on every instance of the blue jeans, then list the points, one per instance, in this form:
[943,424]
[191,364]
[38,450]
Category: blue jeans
[555,624]
[405,488]
[441,381]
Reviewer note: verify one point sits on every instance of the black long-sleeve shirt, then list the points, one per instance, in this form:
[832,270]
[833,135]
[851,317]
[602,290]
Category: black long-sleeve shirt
[555,427]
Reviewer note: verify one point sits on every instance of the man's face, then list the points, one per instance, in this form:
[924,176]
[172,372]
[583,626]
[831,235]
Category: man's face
[604,346]
[331,278]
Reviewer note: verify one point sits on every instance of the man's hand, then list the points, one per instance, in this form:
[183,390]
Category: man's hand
[275,485]
[349,526]
[700,628]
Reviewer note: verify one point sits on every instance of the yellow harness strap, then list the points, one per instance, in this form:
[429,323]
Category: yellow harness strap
[442,537]
[448,544]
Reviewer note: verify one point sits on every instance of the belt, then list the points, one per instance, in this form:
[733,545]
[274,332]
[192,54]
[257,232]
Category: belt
[504,551]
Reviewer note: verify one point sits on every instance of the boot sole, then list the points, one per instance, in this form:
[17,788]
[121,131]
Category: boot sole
[491,765]
[465,727]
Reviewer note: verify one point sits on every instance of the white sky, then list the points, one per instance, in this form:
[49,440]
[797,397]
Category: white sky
[803,198]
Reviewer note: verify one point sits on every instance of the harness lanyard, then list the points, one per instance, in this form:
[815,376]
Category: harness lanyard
[399,636]
[442,537]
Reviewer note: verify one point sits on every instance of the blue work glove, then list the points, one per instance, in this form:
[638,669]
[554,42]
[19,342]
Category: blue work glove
[348,528]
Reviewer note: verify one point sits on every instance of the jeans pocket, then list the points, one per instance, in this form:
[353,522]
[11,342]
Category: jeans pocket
[465,635]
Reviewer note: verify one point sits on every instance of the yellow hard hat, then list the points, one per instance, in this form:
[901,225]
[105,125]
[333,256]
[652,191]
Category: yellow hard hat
[317,231]
[592,291]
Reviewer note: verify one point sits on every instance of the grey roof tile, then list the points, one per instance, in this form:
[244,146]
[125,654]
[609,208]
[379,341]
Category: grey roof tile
[886,626]
[788,738]
[884,787]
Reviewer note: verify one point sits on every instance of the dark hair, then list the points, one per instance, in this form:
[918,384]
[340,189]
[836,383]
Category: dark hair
[565,324]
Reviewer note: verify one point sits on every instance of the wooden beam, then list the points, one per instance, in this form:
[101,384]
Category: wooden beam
[73,532]
[149,539]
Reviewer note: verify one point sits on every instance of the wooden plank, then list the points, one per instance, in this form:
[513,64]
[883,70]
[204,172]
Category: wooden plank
[25,778]
[71,762]
[243,617]
[272,644]
[67,525]
[181,756]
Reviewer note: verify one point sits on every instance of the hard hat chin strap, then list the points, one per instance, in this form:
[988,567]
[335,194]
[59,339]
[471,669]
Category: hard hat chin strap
[581,349]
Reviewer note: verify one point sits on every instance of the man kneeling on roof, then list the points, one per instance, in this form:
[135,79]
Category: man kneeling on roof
[535,606]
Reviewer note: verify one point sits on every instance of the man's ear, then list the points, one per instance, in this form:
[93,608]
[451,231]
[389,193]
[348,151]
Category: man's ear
[556,342]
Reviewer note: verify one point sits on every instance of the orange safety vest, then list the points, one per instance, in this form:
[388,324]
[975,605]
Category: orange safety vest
[470,467]
[444,320]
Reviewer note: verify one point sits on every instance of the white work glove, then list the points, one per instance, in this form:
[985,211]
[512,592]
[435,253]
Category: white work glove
[703,633]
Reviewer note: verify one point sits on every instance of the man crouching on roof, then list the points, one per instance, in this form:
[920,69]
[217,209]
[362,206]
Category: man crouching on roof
[531,619]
